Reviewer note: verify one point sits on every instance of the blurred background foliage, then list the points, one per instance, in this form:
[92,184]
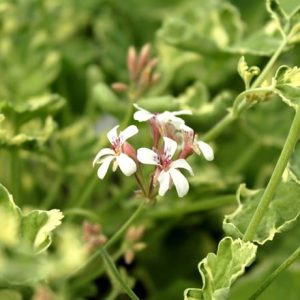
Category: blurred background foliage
[58,60]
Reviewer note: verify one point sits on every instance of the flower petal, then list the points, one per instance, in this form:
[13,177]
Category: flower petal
[102,152]
[164,182]
[169,147]
[142,115]
[181,164]
[104,167]
[186,128]
[180,182]
[112,135]
[206,150]
[127,133]
[147,156]
[126,164]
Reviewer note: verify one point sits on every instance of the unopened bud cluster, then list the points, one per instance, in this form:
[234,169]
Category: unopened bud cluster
[141,69]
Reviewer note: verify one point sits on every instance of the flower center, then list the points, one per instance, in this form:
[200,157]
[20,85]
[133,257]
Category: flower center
[117,146]
[165,161]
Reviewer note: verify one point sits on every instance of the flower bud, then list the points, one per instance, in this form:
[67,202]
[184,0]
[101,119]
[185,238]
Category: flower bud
[144,56]
[119,87]
[132,63]
[129,150]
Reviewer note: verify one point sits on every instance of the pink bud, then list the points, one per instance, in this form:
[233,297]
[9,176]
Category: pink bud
[129,150]
[132,63]
[119,87]
[144,56]
[155,78]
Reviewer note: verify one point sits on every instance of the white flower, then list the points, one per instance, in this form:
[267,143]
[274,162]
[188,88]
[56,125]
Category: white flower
[115,154]
[168,169]
[192,144]
[143,115]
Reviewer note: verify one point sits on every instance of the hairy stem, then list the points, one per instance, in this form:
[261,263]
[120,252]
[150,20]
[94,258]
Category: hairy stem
[295,255]
[111,267]
[114,238]
[275,179]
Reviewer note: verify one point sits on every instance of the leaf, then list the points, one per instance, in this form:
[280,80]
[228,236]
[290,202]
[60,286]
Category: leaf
[287,85]
[33,229]
[261,43]
[37,226]
[282,213]
[219,271]
[277,13]
[32,136]
[6,294]
[294,164]
[107,100]
[37,107]
[205,30]
[10,217]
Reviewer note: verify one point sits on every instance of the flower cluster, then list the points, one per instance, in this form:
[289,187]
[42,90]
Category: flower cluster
[168,132]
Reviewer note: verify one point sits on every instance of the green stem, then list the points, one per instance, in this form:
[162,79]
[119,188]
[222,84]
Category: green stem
[276,273]
[230,117]
[125,226]
[51,196]
[114,238]
[219,127]
[275,179]
[241,97]
[116,275]
[259,80]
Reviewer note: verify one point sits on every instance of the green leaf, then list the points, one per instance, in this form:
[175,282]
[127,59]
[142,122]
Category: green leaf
[6,294]
[282,213]
[219,271]
[36,227]
[294,24]
[294,164]
[37,107]
[205,30]
[260,43]
[32,229]
[32,136]
[10,218]
[277,13]
[287,85]
[107,100]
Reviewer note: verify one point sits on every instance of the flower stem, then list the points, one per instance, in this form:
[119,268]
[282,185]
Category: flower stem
[116,275]
[230,117]
[125,226]
[114,238]
[275,179]
[276,273]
